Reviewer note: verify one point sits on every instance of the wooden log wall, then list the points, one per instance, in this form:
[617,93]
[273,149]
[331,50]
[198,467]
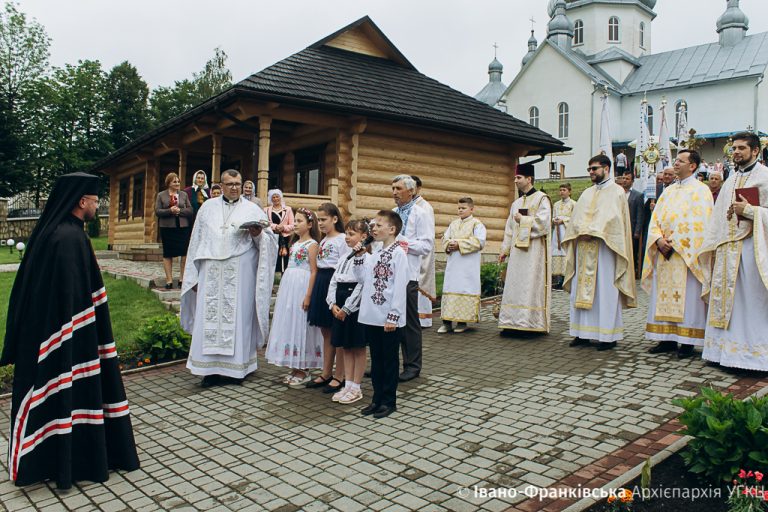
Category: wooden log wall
[449,168]
[130,231]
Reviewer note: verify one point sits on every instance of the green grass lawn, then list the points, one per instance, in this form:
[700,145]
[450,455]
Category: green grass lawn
[130,306]
[578,185]
[6,256]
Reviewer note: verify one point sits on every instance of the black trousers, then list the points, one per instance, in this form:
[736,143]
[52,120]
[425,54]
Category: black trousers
[411,342]
[384,363]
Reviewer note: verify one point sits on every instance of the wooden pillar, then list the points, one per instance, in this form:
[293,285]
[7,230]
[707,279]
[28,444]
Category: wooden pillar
[183,167]
[151,188]
[262,180]
[114,200]
[216,158]
[254,167]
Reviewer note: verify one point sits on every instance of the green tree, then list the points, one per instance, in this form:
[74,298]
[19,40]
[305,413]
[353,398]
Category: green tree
[169,102]
[214,78]
[79,129]
[23,64]
[127,96]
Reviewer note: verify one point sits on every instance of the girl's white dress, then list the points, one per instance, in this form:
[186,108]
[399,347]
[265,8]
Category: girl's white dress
[293,343]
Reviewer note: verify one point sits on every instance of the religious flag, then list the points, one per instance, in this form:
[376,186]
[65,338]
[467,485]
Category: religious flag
[606,145]
[665,153]
[642,145]
[682,126]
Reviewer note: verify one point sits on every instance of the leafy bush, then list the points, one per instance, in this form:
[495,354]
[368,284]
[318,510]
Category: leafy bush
[94,227]
[489,276]
[6,377]
[728,434]
[163,339]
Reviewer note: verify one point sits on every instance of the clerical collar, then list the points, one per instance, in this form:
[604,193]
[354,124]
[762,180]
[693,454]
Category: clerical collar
[229,201]
[687,180]
[606,180]
[748,168]
[530,192]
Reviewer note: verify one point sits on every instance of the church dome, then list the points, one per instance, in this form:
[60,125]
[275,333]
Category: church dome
[560,23]
[495,65]
[551,6]
[733,17]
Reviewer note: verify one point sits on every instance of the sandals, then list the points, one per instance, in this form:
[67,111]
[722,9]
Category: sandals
[299,382]
[312,384]
[333,389]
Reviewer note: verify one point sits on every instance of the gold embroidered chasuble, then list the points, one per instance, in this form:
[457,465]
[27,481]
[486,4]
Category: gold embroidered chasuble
[601,215]
[525,304]
[682,214]
[724,240]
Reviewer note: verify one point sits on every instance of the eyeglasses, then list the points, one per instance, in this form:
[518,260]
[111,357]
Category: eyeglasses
[594,168]
[678,161]
[231,185]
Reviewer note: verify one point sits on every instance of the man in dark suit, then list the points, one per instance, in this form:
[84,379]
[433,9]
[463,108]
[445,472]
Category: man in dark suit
[635,200]
[665,179]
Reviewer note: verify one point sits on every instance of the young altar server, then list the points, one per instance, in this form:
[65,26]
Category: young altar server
[384,275]
[561,216]
[462,241]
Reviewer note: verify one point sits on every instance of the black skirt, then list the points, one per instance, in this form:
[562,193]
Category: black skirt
[349,333]
[175,241]
[319,315]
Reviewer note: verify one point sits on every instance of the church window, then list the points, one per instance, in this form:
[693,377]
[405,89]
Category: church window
[649,118]
[533,116]
[562,117]
[578,32]
[122,194]
[642,35]
[613,29]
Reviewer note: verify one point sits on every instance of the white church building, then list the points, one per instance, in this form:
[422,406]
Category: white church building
[598,45]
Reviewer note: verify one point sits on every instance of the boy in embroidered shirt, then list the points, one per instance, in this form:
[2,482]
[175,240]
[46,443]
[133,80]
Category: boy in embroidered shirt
[384,275]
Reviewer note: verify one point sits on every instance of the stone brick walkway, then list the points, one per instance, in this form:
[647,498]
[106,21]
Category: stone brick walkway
[487,411]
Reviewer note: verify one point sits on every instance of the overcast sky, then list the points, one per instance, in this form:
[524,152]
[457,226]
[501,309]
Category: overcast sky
[449,40]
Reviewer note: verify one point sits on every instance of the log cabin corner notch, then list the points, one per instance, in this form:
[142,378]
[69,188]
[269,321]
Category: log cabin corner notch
[333,122]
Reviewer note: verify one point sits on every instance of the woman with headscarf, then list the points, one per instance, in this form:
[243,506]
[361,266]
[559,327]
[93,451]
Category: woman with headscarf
[281,221]
[199,190]
[249,193]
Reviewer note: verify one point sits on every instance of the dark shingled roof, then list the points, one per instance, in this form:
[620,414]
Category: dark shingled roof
[328,78]
[358,83]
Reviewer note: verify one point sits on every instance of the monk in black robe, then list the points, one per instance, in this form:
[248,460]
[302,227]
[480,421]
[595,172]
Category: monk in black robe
[69,414]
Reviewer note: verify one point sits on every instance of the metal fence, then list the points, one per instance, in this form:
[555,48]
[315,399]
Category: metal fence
[26,204]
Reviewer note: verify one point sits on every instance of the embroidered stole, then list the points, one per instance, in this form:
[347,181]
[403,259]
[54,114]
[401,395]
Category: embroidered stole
[671,281]
[221,288]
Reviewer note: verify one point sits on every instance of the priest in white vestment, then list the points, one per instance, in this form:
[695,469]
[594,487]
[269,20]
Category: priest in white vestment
[737,240]
[225,297]
[427,285]
[525,304]
[672,274]
[599,270]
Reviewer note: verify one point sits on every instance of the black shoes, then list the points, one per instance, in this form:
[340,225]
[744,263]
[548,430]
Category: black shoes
[578,342]
[329,388]
[168,286]
[663,346]
[685,351]
[384,411]
[606,346]
[210,380]
[408,375]
[378,411]
[314,384]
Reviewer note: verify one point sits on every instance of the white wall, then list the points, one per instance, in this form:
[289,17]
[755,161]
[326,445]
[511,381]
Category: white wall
[548,80]
[713,108]
[595,18]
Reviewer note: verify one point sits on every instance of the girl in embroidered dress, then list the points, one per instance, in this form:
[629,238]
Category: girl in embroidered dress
[347,334]
[333,249]
[293,343]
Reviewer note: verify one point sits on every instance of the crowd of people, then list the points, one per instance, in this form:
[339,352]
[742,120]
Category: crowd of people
[700,251]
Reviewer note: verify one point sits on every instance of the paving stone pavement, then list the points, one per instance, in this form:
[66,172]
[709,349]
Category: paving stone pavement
[487,411]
